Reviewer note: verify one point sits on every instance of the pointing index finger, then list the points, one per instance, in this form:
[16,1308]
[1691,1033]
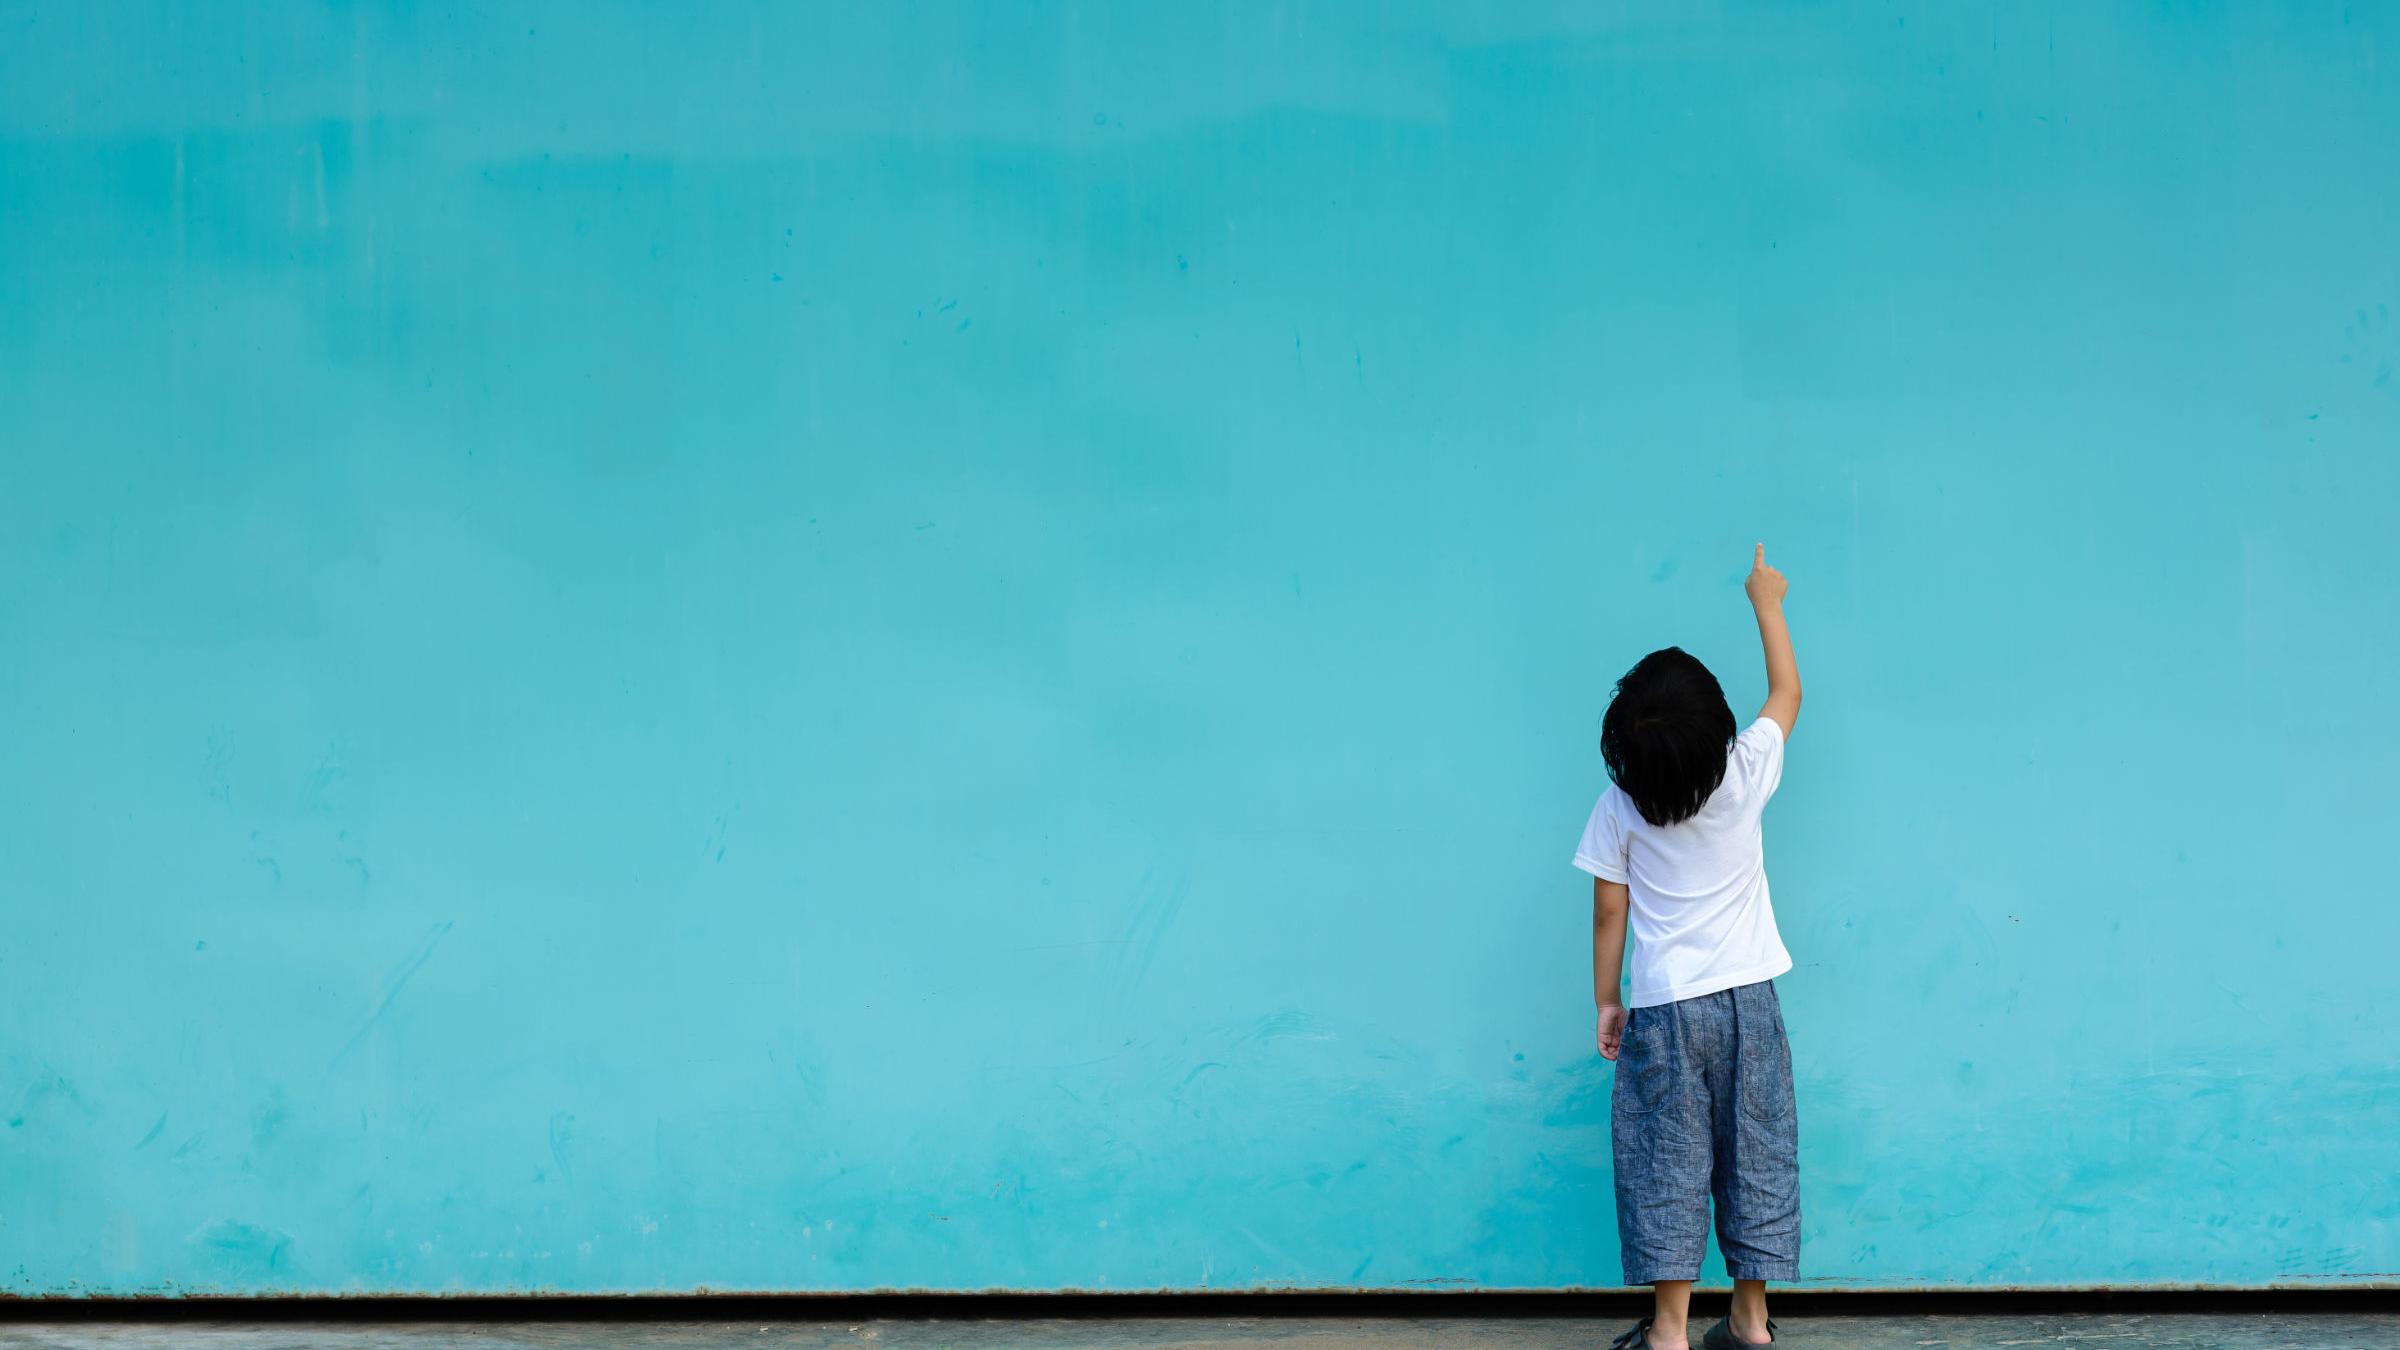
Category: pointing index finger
[1759,558]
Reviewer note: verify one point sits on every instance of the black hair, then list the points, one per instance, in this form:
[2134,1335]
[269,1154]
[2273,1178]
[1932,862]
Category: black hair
[1666,735]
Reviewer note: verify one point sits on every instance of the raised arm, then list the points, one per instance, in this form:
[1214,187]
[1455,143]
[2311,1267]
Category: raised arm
[1766,587]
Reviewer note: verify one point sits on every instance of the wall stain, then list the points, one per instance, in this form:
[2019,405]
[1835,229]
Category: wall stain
[393,984]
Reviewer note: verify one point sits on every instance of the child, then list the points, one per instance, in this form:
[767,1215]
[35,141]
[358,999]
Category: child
[1703,1099]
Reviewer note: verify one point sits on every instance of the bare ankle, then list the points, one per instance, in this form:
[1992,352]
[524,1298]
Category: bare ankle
[1670,1307]
[1748,1317]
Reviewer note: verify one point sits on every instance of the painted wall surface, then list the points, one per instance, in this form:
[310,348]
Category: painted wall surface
[821,647]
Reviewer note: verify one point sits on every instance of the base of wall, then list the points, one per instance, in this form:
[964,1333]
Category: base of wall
[2371,1294]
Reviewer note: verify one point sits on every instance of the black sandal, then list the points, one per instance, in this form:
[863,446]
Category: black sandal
[1636,1339]
[1721,1337]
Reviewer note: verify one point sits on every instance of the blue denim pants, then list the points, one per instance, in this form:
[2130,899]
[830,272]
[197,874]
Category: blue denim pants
[1703,1107]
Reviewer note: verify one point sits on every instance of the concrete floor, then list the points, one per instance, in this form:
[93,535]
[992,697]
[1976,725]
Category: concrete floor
[2101,1331]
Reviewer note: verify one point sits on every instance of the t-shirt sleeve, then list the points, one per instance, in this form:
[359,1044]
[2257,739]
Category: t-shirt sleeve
[1602,850]
[1758,758]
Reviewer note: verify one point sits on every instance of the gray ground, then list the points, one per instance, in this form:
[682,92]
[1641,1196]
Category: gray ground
[2100,1331]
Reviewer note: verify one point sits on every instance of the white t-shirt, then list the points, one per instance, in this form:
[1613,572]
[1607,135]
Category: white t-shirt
[1700,917]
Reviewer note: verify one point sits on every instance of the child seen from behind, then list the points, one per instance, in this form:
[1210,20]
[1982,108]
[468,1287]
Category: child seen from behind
[1702,1108]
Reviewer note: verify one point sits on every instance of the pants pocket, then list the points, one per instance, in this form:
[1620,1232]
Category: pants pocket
[1765,1068]
[1644,1077]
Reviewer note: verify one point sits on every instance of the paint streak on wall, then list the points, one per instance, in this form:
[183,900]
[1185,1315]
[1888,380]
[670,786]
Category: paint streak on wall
[923,645]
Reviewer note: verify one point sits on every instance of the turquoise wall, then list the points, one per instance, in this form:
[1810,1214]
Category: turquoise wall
[780,647]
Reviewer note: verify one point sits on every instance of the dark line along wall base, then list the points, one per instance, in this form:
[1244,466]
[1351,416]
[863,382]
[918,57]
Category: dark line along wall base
[2383,1296]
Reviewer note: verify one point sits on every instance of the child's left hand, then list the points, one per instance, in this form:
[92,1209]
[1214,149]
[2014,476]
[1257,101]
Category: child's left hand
[1612,1030]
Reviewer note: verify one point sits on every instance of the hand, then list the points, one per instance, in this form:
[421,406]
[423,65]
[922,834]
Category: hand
[1612,1029]
[1766,585]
